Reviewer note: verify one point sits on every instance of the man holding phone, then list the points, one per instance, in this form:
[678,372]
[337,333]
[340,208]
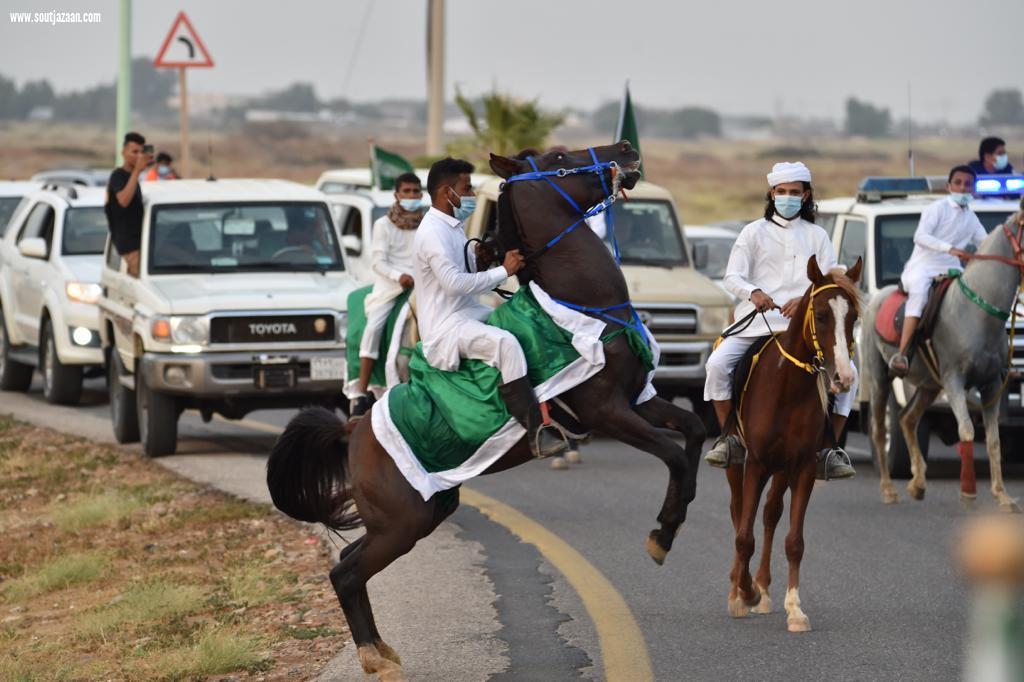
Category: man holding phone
[124,200]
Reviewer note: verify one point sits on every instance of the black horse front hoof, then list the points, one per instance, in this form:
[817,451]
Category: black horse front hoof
[654,548]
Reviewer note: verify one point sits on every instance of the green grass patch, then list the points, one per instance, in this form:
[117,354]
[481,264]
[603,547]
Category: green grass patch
[250,584]
[309,633]
[226,509]
[215,653]
[95,510]
[154,601]
[61,573]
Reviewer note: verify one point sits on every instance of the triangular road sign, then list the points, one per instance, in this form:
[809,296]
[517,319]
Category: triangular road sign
[182,47]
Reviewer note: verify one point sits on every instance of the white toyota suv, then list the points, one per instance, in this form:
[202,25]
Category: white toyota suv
[239,305]
[49,272]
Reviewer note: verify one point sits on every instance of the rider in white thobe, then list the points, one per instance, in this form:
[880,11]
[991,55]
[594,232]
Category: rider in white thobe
[770,257]
[946,227]
[451,319]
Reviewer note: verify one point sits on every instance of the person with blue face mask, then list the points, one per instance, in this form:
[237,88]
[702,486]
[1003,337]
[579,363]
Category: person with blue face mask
[450,316]
[768,263]
[993,158]
[393,238]
[946,228]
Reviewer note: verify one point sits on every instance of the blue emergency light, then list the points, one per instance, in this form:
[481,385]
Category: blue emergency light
[989,185]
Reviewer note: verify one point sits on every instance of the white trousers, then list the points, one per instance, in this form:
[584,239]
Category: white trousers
[376,321]
[494,347]
[917,287]
[722,362]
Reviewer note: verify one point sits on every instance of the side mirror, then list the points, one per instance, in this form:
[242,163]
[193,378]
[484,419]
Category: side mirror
[352,244]
[700,256]
[33,247]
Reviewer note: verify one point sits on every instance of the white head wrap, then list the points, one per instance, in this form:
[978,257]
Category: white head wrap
[788,172]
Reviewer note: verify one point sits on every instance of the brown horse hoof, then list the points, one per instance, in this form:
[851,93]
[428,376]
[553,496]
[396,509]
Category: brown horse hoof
[559,463]
[890,497]
[387,652]
[915,492]
[1010,507]
[764,607]
[798,624]
[738,609]
[657,552]
[573,456]
[968,502]
[373,661]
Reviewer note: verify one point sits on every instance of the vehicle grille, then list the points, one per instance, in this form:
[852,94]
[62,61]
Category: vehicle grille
[668,320]
[244,370]
[271,328]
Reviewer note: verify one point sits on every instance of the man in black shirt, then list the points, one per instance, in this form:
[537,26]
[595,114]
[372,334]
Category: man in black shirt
[124,201]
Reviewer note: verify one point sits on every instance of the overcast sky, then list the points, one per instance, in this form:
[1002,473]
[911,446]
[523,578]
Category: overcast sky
[737,56]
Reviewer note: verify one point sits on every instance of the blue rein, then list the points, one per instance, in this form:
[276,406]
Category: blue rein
[598,168]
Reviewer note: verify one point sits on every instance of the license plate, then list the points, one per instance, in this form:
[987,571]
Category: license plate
[326,369]
[274,377]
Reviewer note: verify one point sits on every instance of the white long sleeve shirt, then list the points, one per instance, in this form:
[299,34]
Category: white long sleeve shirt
[392,257]
[446,294]
[773,258]
[944,225]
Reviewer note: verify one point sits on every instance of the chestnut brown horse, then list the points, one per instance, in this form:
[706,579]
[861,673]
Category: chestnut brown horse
[318,473]
[783,415]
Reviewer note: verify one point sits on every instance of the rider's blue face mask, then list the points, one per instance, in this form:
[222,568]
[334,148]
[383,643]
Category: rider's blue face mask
[788,206]
[1002,161]
[465,208]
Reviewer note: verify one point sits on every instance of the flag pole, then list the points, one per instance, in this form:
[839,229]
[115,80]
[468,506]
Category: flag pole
[374,173]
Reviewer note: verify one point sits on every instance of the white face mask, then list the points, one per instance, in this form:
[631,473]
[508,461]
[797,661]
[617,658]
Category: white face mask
[411,204]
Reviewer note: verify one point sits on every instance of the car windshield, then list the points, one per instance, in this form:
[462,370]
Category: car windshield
[894,241]
[719,249]
[7,206]
[233,237]
[648,233]
[85,231]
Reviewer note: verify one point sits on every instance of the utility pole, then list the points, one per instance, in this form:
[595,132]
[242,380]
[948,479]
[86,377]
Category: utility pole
[435,77]
[124,78]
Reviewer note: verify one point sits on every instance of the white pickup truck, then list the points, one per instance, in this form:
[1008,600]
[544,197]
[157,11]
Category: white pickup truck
[239,305]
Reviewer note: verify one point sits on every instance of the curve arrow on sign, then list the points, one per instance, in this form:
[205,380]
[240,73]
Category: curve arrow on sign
[191,47]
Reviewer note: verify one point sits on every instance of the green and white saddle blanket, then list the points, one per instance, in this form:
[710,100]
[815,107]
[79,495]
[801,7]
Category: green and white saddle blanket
[385,371]
[443,428]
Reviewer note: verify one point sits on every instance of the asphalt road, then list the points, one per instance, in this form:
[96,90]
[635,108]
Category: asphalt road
[878,582]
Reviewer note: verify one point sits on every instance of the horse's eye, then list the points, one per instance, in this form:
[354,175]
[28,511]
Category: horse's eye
[820,317]
[559,156]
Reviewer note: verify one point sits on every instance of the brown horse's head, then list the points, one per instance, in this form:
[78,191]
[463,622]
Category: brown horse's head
[835,311]
[585,189]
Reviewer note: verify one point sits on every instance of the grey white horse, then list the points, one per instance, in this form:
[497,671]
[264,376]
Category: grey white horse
[970,345]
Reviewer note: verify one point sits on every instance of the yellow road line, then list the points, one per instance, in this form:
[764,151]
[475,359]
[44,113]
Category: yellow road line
[623,648]
[622,644]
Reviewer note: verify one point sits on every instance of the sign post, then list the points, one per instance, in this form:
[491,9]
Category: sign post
[182,50]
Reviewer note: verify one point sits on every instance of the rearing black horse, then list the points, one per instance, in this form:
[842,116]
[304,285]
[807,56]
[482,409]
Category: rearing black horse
[317,473]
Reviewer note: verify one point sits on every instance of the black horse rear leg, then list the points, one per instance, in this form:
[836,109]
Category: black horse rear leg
[633,429]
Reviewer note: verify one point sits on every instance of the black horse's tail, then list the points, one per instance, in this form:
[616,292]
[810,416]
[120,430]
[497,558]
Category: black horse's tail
[307,472]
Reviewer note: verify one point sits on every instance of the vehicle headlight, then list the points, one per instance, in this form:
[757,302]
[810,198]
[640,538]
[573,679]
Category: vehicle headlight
[713,320]
[83,292]
[190,330]
[341,326]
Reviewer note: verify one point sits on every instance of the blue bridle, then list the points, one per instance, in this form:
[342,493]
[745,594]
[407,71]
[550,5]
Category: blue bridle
[598,168]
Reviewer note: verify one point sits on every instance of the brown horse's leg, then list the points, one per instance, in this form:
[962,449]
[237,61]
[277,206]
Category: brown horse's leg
[734,474]
[910,417]
[742,595]
[801,485]
[772,514]
[623,424]
[989,399]
[396,517]
[876,428]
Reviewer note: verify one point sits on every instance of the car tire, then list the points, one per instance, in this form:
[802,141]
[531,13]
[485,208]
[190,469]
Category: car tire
[123,415]
[158,420]
[62,384]
[14,375]
[898,456]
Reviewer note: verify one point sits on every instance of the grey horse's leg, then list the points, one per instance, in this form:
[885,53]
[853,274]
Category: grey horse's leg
[877,384]
[957,396]
[910,417]
[990,401]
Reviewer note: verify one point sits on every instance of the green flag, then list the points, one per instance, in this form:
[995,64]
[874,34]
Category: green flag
[386,166]
[627,129]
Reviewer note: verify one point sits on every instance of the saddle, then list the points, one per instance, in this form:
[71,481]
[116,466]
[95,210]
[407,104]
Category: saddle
[889,322]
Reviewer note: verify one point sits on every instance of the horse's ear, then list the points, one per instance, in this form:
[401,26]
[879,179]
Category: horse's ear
[854,273]
[813,271]
[504,167]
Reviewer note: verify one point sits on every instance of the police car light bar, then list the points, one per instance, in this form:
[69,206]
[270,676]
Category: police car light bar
[999,184]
